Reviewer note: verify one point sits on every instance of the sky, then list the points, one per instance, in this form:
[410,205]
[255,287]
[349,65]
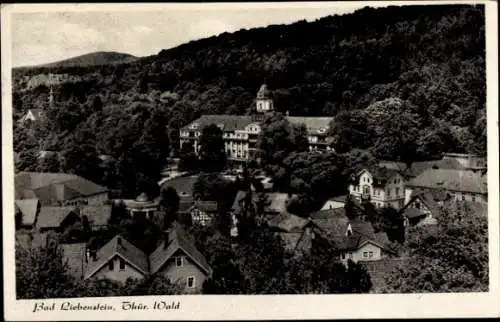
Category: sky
[43,37]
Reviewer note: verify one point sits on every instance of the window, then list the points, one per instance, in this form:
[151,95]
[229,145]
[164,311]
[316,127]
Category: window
[417,205]
[365,254]
[463,197]
[111,265]
[178,261]
[397,192]
[190,282]
[122,264]
[370,254]
[342,256]
[474,198]
[388,192]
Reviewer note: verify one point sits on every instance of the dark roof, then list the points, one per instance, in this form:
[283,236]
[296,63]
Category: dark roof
[288,223]
[97,215]
[276,201]
[454,180]
[52,217]
[178,240]
[53,187]
[118,246]
[32,239]
[29,209]
[206,206]
[314,125]
[417,168]
[342,198]
[382,174]
[380,270]
[229,123]
[74,256]
[412,213]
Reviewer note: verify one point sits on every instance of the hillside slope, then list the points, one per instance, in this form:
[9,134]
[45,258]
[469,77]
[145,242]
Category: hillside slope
[428,59]
[91,59]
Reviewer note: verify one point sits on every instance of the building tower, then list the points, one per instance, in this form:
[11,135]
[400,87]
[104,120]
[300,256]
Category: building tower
[264,103]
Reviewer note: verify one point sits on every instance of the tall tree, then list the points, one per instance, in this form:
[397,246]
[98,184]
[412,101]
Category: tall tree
[212,151]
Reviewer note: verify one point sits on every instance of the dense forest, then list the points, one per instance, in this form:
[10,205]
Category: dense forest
[399,81]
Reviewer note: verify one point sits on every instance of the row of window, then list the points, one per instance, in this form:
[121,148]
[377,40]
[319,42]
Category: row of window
[377,192]
[367,254]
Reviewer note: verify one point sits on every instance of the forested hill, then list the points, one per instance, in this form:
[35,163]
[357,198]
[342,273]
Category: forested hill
[91,59]
[426,64]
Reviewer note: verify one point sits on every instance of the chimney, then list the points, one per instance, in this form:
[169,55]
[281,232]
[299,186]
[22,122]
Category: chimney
[93,255]
[119,241]
[87,255]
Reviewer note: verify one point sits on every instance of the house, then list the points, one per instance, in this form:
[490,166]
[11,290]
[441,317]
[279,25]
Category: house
[58,189]
[241,132]
[273,203]
[296,233]
[203,212]
[424,206]
[117,260]
[470,185]
[27,210]
[141,206]
[381,186]
[32,115]
[335,202]
[57,218]
[353,239]
[417,168]
[176,258]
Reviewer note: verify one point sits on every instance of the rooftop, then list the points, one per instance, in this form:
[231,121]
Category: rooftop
[53,187]
[454,180]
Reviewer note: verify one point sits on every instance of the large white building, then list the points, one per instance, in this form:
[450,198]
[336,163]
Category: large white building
[241,132]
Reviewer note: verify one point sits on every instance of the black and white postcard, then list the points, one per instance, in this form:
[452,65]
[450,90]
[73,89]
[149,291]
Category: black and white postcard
[250,160]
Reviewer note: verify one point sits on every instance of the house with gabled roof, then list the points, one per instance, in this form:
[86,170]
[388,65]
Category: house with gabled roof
[32,115]
[296,233]
[424,206]
[384,187]
[176,258]
[55,218]
[352,239]
[461,185]
[117,260]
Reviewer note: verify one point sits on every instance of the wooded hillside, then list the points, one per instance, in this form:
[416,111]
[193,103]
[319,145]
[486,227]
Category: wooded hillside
[427,63]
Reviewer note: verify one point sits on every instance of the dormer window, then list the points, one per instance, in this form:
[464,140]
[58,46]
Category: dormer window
[322,130]
[349,230]
[178,261]
[194,126]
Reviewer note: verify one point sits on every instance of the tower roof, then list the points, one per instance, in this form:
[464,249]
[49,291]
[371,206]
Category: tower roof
[263,92]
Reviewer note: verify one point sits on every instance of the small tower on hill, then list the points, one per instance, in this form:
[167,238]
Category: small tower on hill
[264,103]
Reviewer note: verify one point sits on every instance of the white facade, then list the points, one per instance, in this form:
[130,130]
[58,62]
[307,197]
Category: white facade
[392,194]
